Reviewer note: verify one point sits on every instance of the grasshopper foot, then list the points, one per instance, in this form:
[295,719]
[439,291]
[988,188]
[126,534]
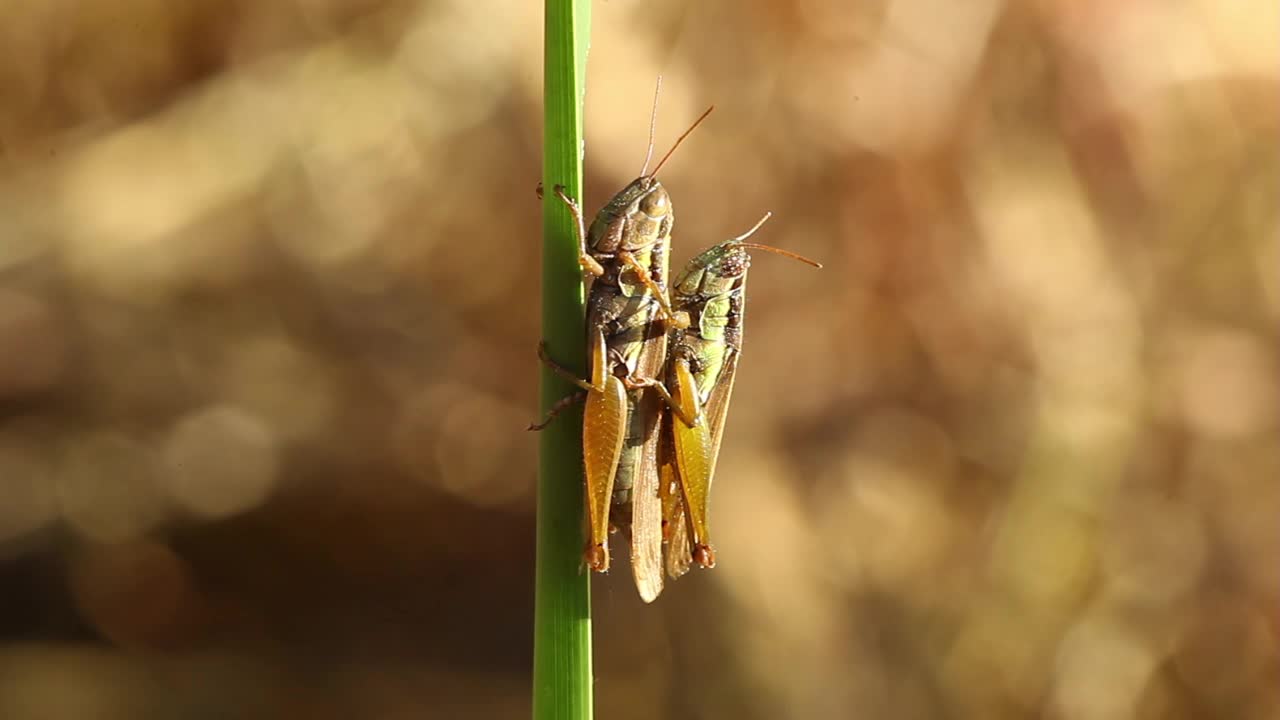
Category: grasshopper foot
[704,556]
[556,409]
[597,558]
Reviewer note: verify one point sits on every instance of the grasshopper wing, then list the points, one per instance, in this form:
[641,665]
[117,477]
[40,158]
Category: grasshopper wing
[717,407]
[646,507]
[675,522]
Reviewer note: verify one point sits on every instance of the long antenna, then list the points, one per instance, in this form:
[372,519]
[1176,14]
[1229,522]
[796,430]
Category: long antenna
[653,128]
[680,139]
[784,253]
[753,229]
[769,248]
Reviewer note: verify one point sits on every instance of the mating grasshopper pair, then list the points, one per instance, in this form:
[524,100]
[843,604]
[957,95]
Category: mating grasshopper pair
[661,375]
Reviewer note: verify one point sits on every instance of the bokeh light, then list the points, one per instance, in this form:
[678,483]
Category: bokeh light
[268,319]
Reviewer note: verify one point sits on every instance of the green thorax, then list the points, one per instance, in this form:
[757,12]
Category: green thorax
[711,288]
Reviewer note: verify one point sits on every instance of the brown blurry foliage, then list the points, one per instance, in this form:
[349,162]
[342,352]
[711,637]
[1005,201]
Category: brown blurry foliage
[267,333]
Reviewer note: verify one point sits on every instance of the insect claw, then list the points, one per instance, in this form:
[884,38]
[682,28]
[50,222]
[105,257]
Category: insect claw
[597,558]
[704,556]
[588,263]
[555,410]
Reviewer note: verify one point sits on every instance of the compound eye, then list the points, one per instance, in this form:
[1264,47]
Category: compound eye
[657,203]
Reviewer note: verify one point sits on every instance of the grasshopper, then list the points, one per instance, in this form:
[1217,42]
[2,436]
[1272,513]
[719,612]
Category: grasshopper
[702,360]
[626,249]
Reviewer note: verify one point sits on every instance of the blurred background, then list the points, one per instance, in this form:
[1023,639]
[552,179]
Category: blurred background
[268,311]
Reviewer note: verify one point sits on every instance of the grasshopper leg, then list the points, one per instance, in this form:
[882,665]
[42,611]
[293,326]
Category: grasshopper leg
[695,458]
[587,262]
[678,319]
[704,555]
[633,383]
[561,370]
[560,406]
[604,428]
[694,462]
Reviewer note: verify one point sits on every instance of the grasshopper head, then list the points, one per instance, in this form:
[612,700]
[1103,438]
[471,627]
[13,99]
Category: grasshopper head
[723,268]
[637,217]
[715,271]
[641,214]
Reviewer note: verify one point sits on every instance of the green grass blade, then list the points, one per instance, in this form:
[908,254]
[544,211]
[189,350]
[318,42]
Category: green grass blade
[562,676]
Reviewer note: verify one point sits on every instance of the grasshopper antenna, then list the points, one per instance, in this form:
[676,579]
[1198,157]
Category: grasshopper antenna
[680,139]
[784,253]
[653,128]
[769,248]
[753,229]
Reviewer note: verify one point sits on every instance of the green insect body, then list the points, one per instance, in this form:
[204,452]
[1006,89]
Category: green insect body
[702,363]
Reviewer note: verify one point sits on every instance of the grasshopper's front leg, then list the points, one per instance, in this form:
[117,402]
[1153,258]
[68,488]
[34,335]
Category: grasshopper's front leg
[587,262]
[604,427]
[675,318]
